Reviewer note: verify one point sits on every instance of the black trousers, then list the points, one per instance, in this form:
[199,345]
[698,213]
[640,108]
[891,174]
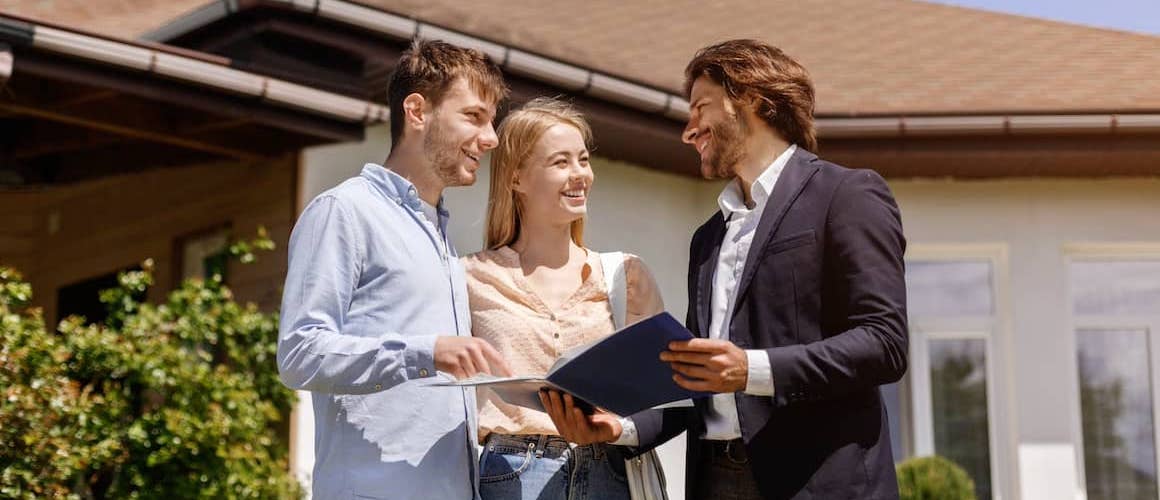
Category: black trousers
[724,473]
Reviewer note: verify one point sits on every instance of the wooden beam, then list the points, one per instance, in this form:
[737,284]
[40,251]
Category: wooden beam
[130,131]
[61,147]
[41,69]
[96,96]
[110,160]
[46,143]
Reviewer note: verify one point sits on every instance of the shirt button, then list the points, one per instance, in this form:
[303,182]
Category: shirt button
[422,372]
[556,335]
[378,387]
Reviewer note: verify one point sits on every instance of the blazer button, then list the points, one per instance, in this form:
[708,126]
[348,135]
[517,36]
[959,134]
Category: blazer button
[378,387]
[422,372]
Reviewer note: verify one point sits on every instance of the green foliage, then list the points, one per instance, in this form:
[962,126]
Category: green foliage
[174,400]
[933,478]
[244,250]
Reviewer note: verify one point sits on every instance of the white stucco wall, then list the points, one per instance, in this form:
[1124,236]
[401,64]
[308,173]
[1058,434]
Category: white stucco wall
[1037,372]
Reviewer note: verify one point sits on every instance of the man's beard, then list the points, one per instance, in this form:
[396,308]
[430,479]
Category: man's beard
[445,156]
[728,148]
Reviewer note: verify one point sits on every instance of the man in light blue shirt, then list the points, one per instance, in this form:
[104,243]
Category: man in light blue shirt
[375,301]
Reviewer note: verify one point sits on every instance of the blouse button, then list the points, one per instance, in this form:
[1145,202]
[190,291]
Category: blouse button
[556,335]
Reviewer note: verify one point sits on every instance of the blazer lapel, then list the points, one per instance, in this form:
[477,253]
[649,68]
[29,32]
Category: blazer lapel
[705,273]
[789,185]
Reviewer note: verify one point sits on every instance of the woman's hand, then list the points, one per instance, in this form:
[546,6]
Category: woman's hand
[576,427]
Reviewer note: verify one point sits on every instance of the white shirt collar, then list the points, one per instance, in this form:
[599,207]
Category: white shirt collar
[732,200]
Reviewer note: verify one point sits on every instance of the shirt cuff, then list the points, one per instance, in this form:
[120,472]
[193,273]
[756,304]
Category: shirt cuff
[628,436]
[760,381]
[419,357]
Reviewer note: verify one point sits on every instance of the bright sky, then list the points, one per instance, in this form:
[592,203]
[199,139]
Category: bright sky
[1142,16]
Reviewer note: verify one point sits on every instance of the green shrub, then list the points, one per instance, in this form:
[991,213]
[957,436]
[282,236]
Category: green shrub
[175,400]
[934,478]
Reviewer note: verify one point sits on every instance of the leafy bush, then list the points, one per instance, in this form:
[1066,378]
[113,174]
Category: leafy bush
[934,478]
[175,400]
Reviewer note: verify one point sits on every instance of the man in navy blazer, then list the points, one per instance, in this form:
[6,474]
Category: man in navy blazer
[796,294]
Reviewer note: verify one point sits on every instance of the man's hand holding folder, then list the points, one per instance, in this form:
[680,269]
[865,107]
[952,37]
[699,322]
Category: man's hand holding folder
[708,365]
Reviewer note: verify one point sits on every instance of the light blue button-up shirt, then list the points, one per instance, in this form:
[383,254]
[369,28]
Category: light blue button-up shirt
[371,284]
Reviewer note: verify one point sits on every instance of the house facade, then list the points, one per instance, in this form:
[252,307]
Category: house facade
[1024,155]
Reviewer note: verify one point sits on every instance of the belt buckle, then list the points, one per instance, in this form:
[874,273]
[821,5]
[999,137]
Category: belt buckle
[729,452]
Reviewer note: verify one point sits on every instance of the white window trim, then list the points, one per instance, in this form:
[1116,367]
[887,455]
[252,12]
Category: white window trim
[1109,252]
[996,332]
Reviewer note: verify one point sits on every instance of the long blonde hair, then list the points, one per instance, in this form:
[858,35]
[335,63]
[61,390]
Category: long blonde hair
[518,135]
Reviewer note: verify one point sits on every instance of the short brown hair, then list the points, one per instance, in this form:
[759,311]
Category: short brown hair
[756,72]
[430,67]
[518,135]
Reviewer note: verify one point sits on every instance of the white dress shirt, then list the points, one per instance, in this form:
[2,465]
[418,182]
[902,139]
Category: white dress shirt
[721,422]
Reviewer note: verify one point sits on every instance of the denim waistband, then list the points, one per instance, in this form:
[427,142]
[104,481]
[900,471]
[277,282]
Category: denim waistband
[544,445]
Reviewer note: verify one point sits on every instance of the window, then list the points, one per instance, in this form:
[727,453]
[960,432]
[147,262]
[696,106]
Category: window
[1116,309]
[946,404]
[204,254]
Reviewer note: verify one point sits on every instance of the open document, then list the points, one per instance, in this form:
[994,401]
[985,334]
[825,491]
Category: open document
[621,373]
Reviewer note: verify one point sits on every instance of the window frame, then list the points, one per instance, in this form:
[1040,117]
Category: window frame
[995,331]
[1110,252]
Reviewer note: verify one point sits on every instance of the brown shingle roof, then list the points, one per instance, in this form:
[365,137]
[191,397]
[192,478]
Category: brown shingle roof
[867,57]
[118,18]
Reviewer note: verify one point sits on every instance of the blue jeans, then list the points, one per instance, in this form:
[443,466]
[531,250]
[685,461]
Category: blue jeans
[547,468]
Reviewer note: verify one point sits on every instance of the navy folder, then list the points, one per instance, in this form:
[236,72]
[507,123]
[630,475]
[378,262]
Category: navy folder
[621,373]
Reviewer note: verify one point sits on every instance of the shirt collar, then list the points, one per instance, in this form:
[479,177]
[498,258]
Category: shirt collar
[397,188]
[732,200]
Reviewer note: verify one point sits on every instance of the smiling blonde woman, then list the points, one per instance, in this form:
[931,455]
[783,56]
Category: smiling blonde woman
[536,292]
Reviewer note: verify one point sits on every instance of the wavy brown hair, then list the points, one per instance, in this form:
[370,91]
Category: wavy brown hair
[754,72]
[518,134]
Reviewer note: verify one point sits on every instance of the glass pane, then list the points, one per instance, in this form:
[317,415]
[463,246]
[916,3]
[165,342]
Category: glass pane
[205,255]
[941,289]
[1116,405]
[892,398]
[1116,287]
[958,386]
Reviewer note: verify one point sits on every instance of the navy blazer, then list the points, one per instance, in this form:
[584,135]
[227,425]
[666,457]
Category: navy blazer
[823,293]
